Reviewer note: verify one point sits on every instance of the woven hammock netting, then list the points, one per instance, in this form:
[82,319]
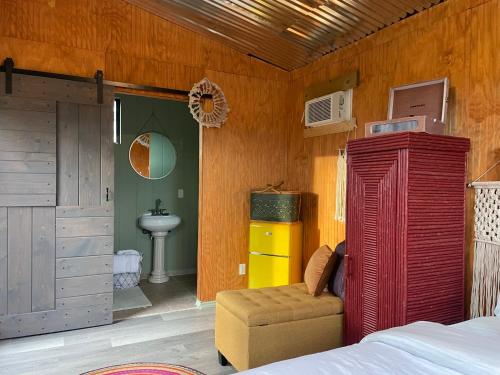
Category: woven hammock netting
[486,282]
[218,115]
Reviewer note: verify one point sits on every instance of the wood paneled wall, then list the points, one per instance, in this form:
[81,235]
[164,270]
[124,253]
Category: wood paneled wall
[248,152]
[262,142]
[131,45]
[459,39]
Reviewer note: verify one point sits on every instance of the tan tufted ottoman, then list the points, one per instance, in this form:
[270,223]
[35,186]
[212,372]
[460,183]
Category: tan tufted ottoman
[254,327]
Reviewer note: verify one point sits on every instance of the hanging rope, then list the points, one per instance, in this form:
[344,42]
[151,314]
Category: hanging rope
[486,281]
[341,183]
[340,193]
[152,124]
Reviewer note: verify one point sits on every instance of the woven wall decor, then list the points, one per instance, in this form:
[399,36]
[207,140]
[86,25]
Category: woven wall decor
[340,191]
[218,115]
[486,283]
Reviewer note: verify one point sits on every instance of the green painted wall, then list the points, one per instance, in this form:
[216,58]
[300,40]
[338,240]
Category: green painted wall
[135,194]
[162,155]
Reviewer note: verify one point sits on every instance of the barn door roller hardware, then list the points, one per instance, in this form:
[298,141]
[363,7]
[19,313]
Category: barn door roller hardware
[98,79]
[8,67]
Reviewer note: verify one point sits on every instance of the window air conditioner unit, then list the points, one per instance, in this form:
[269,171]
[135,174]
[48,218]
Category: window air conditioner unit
[329,109]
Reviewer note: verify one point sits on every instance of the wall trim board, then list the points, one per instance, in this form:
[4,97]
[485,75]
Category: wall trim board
[204,304]
[151,94]
[341,83]
[199,257]
[186,271]
[136,194]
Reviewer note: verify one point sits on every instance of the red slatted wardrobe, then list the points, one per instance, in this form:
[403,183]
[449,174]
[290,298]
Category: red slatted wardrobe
[405,231]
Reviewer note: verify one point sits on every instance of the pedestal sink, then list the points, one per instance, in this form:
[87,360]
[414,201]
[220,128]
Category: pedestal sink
[159,226]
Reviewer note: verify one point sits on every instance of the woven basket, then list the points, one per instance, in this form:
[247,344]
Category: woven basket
[127,280]
[283,206]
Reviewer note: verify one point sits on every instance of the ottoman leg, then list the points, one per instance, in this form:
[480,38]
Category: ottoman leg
[222,360]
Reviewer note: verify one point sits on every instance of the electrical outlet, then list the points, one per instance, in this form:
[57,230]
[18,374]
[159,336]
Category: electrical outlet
[180,193]
[243,269]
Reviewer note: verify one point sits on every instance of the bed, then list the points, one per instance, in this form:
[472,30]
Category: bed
[421,348]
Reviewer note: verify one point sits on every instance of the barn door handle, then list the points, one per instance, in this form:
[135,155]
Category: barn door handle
[107,194]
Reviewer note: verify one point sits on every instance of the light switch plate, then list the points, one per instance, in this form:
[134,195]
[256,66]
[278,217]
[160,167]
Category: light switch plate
[243,269]
[180,193]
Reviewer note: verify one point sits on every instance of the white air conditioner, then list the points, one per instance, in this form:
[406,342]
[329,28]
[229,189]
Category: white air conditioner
[329,109]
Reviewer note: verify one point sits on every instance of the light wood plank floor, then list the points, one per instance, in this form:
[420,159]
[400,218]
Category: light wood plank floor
[182,337]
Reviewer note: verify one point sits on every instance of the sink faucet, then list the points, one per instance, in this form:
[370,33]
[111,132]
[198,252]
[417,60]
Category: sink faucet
[157,210]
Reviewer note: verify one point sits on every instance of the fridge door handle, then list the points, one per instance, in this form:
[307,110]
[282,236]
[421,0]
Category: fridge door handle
[268,255]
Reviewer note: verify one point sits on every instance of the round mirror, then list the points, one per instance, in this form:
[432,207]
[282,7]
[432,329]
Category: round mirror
[152,155]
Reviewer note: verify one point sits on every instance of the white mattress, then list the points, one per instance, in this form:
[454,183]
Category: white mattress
[421,348]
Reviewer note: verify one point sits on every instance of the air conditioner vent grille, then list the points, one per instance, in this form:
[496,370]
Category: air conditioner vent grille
[320,110]
[329,109]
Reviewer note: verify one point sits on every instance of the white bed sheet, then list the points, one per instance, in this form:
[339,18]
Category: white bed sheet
[421,348]
[470,348]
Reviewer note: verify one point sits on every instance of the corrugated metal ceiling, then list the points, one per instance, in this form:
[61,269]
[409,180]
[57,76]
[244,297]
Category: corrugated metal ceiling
[285,33]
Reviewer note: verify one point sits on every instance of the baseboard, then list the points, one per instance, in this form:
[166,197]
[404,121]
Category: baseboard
[187,271]
[204,304]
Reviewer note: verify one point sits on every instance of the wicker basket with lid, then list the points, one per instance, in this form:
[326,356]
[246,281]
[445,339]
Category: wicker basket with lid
[271,204]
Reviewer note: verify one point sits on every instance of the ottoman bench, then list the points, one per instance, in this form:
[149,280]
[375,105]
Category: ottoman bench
[254,327]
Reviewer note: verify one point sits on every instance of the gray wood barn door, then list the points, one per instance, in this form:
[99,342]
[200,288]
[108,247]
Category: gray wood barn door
[56,206]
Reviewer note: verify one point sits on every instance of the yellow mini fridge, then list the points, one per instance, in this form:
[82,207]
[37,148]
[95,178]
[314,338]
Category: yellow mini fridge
[275,254]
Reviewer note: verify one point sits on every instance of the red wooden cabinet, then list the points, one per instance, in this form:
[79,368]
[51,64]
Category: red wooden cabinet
[405,231]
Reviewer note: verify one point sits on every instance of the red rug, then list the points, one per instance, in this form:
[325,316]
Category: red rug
[144,369]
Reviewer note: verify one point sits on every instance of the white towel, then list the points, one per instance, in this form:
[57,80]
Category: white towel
[497,309]
[127,261]
[129,251]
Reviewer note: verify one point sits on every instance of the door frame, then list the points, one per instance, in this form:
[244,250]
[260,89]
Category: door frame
[180,96]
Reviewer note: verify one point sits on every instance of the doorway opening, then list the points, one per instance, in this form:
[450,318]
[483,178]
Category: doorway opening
[156,206]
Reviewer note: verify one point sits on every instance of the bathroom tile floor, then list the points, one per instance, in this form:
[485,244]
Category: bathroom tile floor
[179,293]
[181,337]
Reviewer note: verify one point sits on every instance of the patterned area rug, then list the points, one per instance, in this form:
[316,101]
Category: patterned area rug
[144,369]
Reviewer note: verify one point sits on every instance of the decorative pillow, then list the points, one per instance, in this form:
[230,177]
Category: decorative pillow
[336,282]
[319,269]
[340,249]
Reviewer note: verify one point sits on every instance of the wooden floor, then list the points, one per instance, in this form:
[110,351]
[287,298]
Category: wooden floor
[182,337]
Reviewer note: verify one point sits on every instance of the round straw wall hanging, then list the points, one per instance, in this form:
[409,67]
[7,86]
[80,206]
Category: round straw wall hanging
[207,104]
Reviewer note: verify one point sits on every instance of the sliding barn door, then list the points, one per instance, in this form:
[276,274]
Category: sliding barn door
[56,210]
